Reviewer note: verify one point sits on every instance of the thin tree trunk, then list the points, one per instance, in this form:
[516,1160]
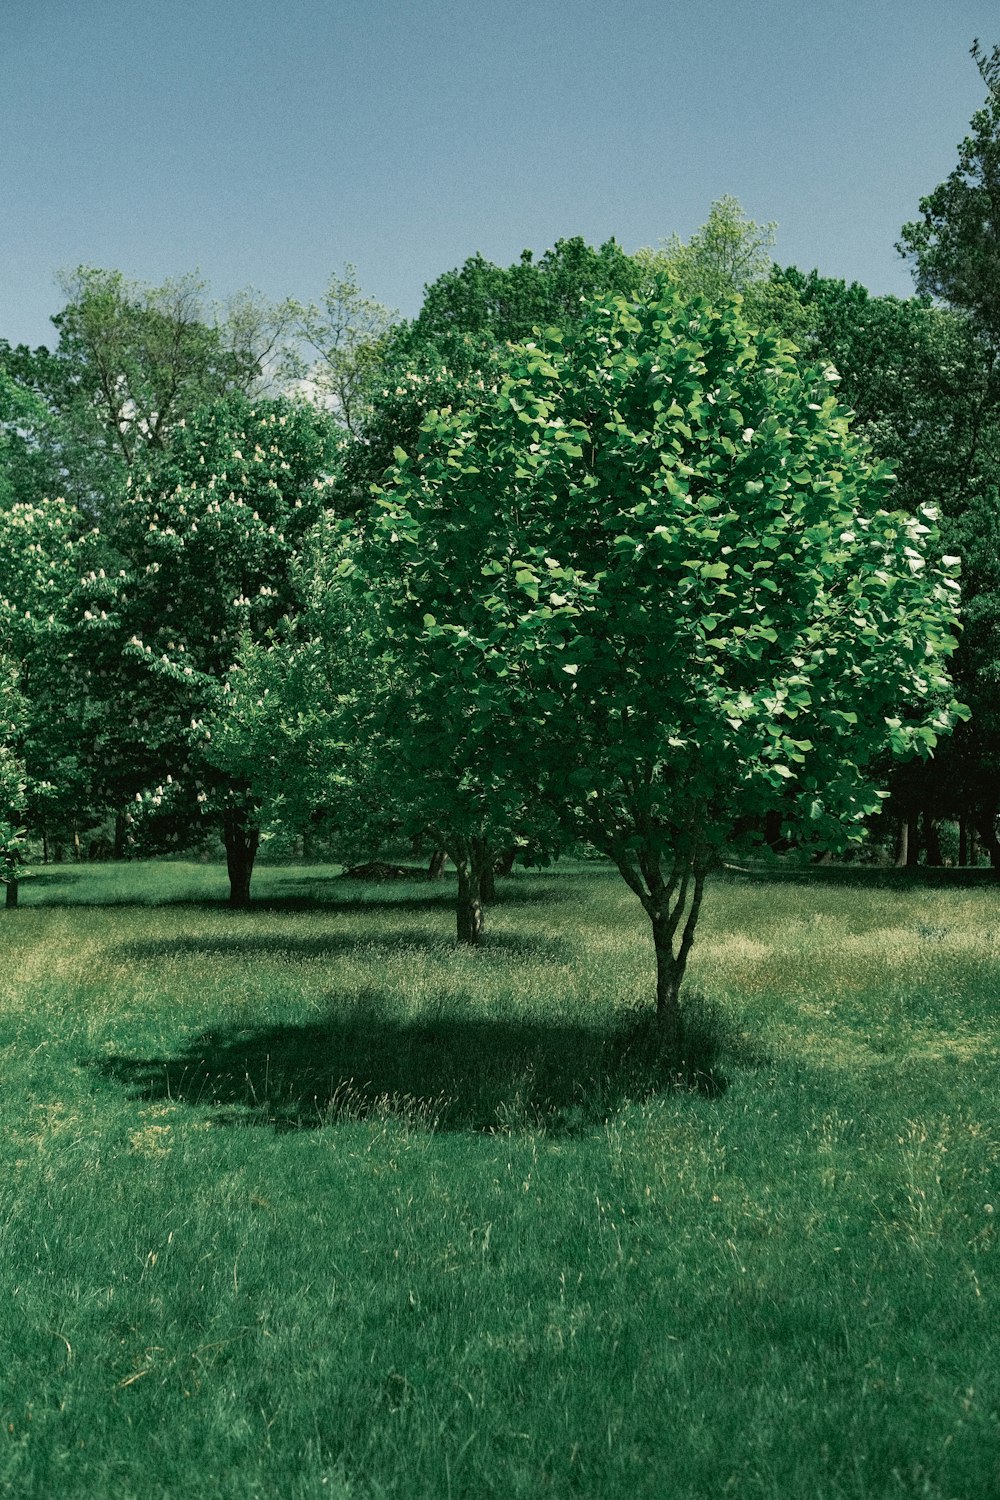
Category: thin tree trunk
[241,840]
[120,830]
[932,841]
[963,843]
[902,855]
[12,892]
[77,851]
[435,870]
[45,848]
[913,844]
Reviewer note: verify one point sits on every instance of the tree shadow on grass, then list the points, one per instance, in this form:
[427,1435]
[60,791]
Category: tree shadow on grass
[434,899]
[361,895]
[303,947]
[870,877]
[53,875]
[446,1073]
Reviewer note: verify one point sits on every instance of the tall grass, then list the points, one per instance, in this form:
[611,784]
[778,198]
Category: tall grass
[306,1202]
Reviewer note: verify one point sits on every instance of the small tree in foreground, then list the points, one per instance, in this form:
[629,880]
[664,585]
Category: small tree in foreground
[667,574]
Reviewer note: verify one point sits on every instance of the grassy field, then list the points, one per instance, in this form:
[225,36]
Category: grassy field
[304,1202]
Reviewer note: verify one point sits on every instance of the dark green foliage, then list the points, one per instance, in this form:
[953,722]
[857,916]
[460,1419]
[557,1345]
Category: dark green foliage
[955,245]
[456,345]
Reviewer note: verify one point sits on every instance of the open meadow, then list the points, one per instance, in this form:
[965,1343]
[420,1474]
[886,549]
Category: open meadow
[304,1201]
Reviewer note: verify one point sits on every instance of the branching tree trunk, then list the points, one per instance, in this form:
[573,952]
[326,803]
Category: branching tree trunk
[672,901]
[241,839]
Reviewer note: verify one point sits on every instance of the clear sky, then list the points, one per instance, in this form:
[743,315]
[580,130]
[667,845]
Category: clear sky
[268,142]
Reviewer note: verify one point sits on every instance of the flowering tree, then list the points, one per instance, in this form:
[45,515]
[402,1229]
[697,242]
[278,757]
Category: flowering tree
[12,782]
[42,546]
[202,556]
[662,577]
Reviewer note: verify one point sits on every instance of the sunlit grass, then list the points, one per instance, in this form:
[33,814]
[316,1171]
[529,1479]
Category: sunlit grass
[305,1201]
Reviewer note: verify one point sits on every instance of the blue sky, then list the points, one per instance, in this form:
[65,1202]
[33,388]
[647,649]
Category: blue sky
[268,142]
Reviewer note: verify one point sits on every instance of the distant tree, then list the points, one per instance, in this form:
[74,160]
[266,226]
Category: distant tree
[654,583]
[130,362]
[42,547]
[202,555]
[729,253]
[954,247]
[954,252]
[12,782]
[344,338]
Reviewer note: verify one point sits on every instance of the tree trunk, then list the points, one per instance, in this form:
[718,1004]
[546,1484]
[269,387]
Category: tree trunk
[963,843]
[488,883]
[12,892]
[45,848]
[932,842]
[435,870]
[669,973]
[913,844]
[77,851]
[902,855]
[469,912]
[118,851]
[986,827]
[505,863]
[241,840]
[470,860]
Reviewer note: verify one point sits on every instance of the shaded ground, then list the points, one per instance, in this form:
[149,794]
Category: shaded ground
[449,1073]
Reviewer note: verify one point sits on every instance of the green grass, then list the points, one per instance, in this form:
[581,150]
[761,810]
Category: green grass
[305,1202]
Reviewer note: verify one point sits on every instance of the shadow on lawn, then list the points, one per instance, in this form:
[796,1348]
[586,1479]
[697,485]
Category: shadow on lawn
[271,945]
[449,1073]
[877,877]
[303,898]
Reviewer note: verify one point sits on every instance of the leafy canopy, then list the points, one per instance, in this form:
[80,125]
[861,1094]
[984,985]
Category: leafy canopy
[665,579]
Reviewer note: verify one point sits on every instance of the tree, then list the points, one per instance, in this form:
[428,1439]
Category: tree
[457,344]
[42,547]
[954,252]
[502,304]
[954,248]
[130,363]
[201,556]
[346,336]
[918,378]
[12,783]
[729,253]
[662,575]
